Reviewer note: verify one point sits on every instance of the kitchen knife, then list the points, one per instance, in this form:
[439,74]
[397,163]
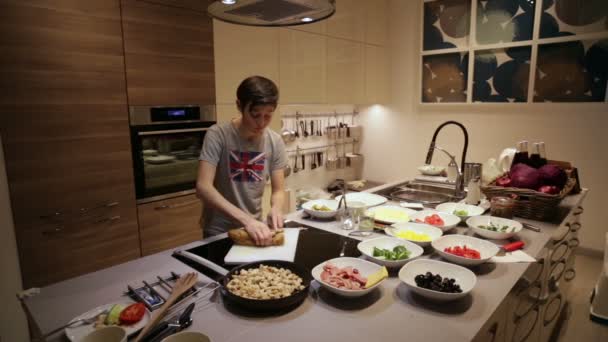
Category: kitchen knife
[183,322]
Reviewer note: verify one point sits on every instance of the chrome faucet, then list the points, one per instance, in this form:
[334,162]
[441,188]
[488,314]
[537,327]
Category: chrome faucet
[459,185]
[432,147]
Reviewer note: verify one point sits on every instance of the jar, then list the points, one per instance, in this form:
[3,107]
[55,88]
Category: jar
[502,207]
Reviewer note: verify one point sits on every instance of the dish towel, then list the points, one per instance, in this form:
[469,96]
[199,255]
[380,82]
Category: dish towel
[515,256]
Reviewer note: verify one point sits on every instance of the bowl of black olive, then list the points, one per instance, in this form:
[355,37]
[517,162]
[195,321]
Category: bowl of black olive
[437,280]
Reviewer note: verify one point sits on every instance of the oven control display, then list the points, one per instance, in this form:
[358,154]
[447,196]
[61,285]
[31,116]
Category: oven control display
[176,112]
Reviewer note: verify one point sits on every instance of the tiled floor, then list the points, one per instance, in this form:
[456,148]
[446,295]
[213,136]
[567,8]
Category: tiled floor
[578,326]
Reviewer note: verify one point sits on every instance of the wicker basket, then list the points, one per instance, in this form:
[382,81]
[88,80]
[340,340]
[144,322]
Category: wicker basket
[529,203]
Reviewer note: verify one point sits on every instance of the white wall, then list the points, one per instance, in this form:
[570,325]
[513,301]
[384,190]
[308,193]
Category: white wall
[402,132]
[13,326]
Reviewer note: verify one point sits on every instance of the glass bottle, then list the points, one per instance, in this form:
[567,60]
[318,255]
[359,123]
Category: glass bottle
[521,156]
[542,152]
[535,156]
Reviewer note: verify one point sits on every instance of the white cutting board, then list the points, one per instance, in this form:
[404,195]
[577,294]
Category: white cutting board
[287,252]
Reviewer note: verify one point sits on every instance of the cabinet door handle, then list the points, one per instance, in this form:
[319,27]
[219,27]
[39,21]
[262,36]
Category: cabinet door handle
[575,227]
[578,211]
[54,231]
[101,206]
[56,214]
[177,205]
[574,242]
[569,274]
[108,219]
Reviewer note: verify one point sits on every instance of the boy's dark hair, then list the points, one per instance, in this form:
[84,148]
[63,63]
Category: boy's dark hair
[255,91]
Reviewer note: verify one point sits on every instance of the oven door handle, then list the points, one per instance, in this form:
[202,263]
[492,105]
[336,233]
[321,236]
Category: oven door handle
[169,131]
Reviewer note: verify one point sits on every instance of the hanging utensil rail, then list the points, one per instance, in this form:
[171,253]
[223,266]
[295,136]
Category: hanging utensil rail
[299,115]
[353,141]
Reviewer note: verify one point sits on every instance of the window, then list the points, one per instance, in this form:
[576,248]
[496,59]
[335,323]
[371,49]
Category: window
[522,51]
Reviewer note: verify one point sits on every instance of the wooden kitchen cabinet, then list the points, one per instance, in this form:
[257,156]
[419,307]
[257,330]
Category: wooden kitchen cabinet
[64,123]
[168,53]
[169,223]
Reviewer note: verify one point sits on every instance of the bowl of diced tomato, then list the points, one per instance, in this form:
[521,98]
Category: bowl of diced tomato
[441,220]
[464,250]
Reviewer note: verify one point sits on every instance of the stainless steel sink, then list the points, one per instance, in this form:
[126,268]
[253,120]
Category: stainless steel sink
[427,194]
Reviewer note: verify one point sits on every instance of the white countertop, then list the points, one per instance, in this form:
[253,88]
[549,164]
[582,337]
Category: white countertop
[383,314]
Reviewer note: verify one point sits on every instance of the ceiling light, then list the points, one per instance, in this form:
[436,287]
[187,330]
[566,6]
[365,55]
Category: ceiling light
[229,2]
[307,19]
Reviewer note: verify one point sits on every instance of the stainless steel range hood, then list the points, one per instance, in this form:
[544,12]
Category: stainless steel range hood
[272,12]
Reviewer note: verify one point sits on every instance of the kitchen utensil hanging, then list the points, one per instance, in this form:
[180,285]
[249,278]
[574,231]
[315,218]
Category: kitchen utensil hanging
[342,158]
[332,162]
[354,158]
[295,164]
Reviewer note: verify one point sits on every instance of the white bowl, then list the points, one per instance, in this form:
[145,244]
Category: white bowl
[107,334]
[391,213]
[386,242]
[485,248]
[365,269]
[420,228]
[367,198]
[475,222]
[463,276]
[431,170]
[450,221]
[187,336]
[449,207]
[331,204]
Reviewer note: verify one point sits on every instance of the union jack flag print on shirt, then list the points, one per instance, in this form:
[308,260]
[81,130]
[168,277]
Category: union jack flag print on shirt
[247,166]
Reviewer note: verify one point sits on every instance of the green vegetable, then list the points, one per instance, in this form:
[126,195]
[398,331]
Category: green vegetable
[461,213]
[398,253]
[114,315]
[495,228]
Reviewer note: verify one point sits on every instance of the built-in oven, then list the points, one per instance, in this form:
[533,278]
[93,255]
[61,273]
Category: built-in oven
[166,142]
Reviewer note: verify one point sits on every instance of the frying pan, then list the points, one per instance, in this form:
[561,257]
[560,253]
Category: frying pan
[257,305]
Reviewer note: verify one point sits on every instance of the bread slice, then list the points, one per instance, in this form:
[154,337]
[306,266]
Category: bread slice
[241,237]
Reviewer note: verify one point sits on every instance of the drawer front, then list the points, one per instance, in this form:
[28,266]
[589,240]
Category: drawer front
[526,328]
[169,223]
[58,251]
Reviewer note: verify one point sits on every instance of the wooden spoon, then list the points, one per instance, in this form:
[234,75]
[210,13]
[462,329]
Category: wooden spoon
[183,284]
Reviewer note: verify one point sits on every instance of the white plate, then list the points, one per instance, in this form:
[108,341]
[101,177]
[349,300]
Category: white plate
[365,269]
[370,200]
[463,276]
[391,213]
[485,248]
[420,228]
[76,333]
[149,153]
[162,159]
[366,248]
[431,170]
[332,204]
[474,222]
[449,207]
[450,221]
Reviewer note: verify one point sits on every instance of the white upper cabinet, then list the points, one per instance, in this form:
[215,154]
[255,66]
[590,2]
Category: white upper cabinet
[377,81]
[376,22]
[345,72]
[240,52]
[349,20]
[303,67]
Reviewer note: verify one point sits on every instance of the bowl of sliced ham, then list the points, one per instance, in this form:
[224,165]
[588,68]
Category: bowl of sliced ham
[347,277]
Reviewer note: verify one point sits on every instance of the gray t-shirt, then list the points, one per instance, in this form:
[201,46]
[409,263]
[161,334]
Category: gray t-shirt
[242,169]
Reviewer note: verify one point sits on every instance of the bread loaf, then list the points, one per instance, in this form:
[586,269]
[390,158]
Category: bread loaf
[241,237]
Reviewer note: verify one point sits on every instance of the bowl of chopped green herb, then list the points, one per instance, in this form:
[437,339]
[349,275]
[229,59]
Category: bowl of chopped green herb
[492,227]
[389,251]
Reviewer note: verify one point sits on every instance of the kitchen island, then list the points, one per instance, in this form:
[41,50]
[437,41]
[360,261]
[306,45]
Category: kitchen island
[510,301]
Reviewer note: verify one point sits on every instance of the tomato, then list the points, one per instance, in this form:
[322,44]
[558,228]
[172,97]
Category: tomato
[434,220]
[464,252]
[132,313]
